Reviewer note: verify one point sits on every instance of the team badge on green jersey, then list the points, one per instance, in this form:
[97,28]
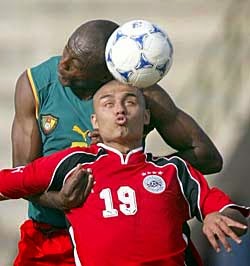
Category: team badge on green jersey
[48,123]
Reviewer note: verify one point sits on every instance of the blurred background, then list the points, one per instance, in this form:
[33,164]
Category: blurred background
[209,78]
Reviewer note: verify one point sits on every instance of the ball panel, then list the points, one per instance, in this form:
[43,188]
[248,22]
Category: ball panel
[124,58]
[156,48]
[144,78]
[139,53]
[137,27]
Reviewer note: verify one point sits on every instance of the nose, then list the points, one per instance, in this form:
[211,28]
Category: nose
[120,108]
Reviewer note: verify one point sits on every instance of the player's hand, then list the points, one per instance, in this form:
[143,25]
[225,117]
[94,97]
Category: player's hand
[95,136]
[76,188]
[217,227]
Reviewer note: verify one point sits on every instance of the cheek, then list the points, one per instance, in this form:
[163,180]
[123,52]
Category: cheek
[137,122]
[106,126]
[104,118]
[138,116]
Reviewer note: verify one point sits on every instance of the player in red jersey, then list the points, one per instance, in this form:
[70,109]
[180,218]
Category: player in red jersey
[40,128]
[139,203]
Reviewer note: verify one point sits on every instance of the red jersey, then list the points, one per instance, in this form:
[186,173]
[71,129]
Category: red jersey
[135,213]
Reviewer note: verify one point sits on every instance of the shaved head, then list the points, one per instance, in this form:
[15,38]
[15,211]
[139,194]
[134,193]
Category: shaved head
[120,115]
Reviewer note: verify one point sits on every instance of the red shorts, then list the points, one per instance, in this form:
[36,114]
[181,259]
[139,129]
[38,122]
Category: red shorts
[43,245]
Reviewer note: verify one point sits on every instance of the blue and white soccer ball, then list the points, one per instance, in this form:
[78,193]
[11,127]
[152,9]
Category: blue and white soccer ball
[139,53]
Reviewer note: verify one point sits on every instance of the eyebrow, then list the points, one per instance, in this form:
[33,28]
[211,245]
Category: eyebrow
[128,94]
[105,96]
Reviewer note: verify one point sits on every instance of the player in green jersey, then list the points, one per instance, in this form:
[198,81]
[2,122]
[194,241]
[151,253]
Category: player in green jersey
[52,107]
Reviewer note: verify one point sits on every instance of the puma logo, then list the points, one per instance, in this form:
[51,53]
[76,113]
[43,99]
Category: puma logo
[83,133]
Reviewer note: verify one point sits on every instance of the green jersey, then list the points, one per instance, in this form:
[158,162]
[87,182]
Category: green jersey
[63,119]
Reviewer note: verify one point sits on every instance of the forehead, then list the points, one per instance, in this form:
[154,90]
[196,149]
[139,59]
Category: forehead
[114,88]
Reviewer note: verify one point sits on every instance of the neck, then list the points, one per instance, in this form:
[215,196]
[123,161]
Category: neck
[124,148]
[83,94]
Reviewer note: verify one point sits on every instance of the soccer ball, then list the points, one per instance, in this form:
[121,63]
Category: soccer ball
[139,53]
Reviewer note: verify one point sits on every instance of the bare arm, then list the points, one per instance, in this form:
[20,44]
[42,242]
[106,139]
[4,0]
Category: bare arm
[37,176]
[73,193]
[181,132]
[27,145]
[26,140]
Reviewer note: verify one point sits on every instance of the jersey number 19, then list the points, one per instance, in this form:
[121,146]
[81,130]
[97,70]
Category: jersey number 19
[126,196]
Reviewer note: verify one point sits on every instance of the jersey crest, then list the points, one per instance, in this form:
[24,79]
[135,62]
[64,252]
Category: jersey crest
[48,123]
[154,183]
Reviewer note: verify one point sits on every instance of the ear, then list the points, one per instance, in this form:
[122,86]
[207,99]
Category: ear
[94,121]
[146,117]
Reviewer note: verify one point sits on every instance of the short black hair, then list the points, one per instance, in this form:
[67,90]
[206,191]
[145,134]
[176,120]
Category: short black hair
[88,43]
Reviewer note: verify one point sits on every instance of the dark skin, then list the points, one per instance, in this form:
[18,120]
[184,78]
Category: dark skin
[76,72]
[85,71]
[181,132]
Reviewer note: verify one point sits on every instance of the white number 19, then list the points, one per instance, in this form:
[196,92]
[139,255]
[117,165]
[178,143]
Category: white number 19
[126,195]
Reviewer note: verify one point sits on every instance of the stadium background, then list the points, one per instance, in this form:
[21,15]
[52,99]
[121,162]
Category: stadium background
[209,77]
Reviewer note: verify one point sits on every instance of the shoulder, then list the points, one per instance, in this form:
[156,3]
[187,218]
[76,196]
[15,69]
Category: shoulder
[80,154]
[43,76]
[47,64]
[45,71]
[67,160]
[164,159]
